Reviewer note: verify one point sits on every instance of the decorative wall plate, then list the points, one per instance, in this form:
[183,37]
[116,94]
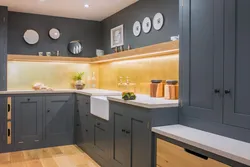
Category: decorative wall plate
[137,28]
[146,25]
[158,21]
[75,47]
[54,33]
[31,37]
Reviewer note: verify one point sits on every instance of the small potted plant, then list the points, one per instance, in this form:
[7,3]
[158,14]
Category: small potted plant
[79,85]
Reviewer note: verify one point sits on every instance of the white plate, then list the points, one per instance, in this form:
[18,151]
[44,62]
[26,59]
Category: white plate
[146,25]
[54,33]
[137,28]
[158,21]
[31,37]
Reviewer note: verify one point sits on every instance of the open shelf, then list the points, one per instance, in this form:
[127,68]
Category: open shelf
[157,50]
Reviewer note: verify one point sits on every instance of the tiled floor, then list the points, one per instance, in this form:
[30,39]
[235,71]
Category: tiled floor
[63,156]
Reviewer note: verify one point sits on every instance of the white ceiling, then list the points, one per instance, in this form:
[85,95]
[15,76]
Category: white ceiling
[98,10]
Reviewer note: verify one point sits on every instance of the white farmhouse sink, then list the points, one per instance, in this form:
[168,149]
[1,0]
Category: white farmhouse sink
[99,106]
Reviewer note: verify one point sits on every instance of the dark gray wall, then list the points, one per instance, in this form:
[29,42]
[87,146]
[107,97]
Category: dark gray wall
[138,11]
[88,32]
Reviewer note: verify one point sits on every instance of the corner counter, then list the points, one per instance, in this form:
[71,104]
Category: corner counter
[146,101]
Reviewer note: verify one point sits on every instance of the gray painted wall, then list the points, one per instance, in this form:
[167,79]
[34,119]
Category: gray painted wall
[88,32]
[138,11]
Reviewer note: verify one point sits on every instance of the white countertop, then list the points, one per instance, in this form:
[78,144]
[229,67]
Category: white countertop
[236,150]
[89,92]
[146,101]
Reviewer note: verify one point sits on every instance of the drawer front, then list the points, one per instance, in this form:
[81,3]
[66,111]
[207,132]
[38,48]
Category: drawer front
[170,155]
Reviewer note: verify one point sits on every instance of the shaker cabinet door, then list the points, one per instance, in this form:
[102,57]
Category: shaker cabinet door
[237,63]
[120,141]
[201,59]
[28,122]
[59,120]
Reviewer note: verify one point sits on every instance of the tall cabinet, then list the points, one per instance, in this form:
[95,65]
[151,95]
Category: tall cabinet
[237,63]
[3,75]
[202,58]
[214,66]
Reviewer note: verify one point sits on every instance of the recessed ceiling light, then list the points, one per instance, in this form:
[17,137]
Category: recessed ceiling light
[42,0]
[86,5]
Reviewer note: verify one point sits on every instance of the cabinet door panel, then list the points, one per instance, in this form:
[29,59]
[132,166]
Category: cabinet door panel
[120,143]
[28,121]
[59,120]
[236,78]
[201,59]
[140,143]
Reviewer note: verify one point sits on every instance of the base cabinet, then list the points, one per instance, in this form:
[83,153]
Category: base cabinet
[131,137]
[28,122]
[170,155]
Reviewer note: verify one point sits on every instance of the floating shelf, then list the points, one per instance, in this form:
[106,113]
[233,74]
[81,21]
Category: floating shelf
[162,49]
[31,58]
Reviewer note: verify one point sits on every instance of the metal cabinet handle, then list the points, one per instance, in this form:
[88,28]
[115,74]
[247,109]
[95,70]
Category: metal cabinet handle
[227,91]
[216,91]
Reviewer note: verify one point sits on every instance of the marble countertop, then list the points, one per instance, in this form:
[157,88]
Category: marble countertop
[146,101]
[89,92]
[236,150]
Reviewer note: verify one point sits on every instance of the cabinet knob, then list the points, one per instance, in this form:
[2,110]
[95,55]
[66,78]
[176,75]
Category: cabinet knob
[86,130]
[28,99]
[48,110]
[123,130]
[98,124]
[77,124]
[217,91]
[77,111]
[227,92]
[127,132]
[87,115]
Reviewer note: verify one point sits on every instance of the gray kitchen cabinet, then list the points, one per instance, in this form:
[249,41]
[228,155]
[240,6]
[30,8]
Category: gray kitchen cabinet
[120,141]
[3,46]
[236,66]
[28,122]
[131,133]
[84,124]
[59,120]
[101,140]
[201,59]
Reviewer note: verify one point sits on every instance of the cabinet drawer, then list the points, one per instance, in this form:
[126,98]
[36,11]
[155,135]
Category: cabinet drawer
[170,155]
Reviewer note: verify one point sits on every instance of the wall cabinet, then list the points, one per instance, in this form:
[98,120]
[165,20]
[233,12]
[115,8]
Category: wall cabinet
[59,120]
[214,61]
[28,122]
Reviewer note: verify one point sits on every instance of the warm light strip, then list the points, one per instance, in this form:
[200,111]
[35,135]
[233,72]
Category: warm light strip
[167,57]
[166,53]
